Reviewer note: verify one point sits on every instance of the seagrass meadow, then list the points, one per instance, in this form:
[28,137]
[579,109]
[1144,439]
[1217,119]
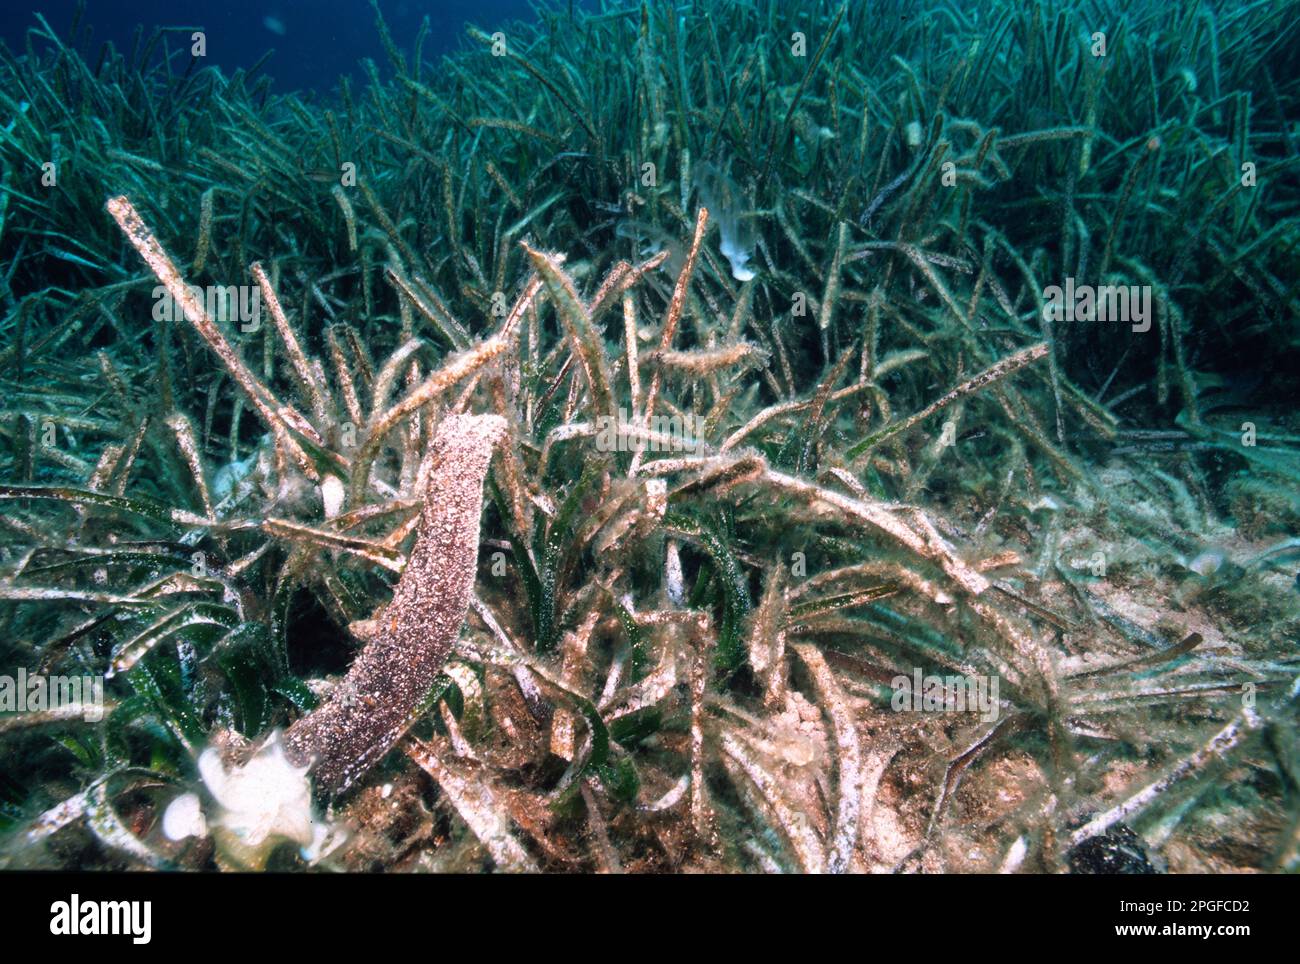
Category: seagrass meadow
[699,436]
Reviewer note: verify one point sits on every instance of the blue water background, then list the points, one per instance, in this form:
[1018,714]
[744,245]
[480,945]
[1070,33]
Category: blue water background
[322,39]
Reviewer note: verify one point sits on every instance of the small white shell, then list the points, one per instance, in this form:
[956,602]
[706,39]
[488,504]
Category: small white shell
[265,801]
[331,493]
[1208,562]
[184,818]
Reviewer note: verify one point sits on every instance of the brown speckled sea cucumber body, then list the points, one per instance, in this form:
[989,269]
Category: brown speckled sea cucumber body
[371,709]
